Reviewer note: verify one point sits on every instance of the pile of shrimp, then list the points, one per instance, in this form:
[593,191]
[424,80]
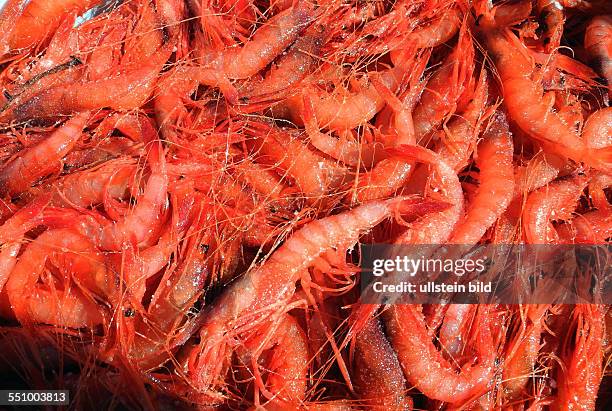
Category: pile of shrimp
[185,186]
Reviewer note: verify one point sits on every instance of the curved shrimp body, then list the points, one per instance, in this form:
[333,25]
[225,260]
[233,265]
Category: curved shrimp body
[581,376]
[598,43]
[424,365]
[266,289]
[594,227]
[496,189]
[39,19]
[124,89]
[556,201]
[378,376]
[68,307]
[524,99]
[597,131]
[343,109]
[142,223]
[523,350]
[444,88]
[286,365]
[91,187]
[454,326]
[290,69]
[434,228]
[293,157]
[265,45]
[43,159]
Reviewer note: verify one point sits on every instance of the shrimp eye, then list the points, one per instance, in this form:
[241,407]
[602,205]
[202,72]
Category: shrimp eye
[129,312]
[477,22]
[204,248]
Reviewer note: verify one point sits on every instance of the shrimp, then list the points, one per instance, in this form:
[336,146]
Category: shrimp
[556,201]
[553,19]
[265,289]
[597,132]
[444,88]
[524,99]
[141,224]
[43,159]
[593,227]
[343,108]
[286,366]
[454,327]
[268,42]
[424,365]
[46,303]
[523,350]
[291,68]
[434,228]
[38,19]
[95,186]
[580,378]
[597,43]
[495,155]
[377,372]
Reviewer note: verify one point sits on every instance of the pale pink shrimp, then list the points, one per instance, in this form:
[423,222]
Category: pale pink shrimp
[445,87]
[495,155]
[425,367]
[597,131]
[580,378]
[377,373]
[434,228]
[556,201]
[45,158]
[66,306]
[524,99]
[598,43]
[141,223]
[266,289]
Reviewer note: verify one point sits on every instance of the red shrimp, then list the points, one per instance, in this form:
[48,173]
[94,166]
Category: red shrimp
[69,306]
[445,87]
[280,149]
[291,68]
[390,174]
[38,20]
[598,44]
[41,160]
[259,51]
[597,132]
[141,223]
[553,19]
[556,201]
[286,365]
[457,319]
[377,373]
[343,108]
[593,227]
[434,228]
[522,351]
[580,378]
[424,365]
[495,155]
[91,187]
[267,288]
[524,99]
